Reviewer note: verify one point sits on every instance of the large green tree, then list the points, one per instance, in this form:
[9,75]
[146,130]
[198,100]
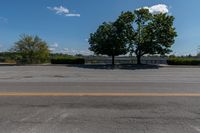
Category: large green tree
[111,38]
[32,49]
[154,34]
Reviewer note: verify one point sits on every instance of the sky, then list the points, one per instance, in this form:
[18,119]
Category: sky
[66,24]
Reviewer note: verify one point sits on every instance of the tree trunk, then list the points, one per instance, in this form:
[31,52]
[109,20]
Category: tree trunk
[139,59]
[131,57]
[113,60]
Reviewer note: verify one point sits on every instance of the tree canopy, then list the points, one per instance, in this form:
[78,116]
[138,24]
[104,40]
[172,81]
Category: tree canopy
[32,49]
[139,32]
[111,38]
[154,33]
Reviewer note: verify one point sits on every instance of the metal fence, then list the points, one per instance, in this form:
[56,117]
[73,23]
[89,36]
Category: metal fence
[125,60]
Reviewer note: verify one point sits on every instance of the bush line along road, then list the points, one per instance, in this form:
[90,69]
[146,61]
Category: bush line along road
[60,99]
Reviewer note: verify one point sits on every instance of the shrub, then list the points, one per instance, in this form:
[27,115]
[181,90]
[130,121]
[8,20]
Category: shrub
[31,50]
[68,61]
[2,59]
[183,61]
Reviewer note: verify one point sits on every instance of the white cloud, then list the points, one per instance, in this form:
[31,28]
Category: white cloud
[65,49]
[55,45]
[160,8]
[59,10]
[73,15]
[52,49]
[75,51]
[55,48]
[63,11]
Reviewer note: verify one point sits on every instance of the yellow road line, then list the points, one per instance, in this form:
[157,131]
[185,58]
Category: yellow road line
[100,94]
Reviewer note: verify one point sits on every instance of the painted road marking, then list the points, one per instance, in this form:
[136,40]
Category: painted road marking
[42,94]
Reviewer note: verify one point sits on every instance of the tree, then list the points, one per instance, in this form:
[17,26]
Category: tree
[111,38]
[154,34]
[31,49]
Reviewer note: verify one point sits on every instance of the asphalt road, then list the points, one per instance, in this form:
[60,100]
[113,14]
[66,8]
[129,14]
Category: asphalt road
[147,110]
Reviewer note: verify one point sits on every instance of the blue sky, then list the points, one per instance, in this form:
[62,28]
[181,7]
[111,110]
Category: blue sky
[66,24]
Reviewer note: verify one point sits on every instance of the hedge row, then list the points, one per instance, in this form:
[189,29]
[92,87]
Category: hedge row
[2,59]
[68,61]
[183,61]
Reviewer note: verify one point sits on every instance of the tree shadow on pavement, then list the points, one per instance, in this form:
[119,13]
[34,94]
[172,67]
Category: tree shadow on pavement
[118,66]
